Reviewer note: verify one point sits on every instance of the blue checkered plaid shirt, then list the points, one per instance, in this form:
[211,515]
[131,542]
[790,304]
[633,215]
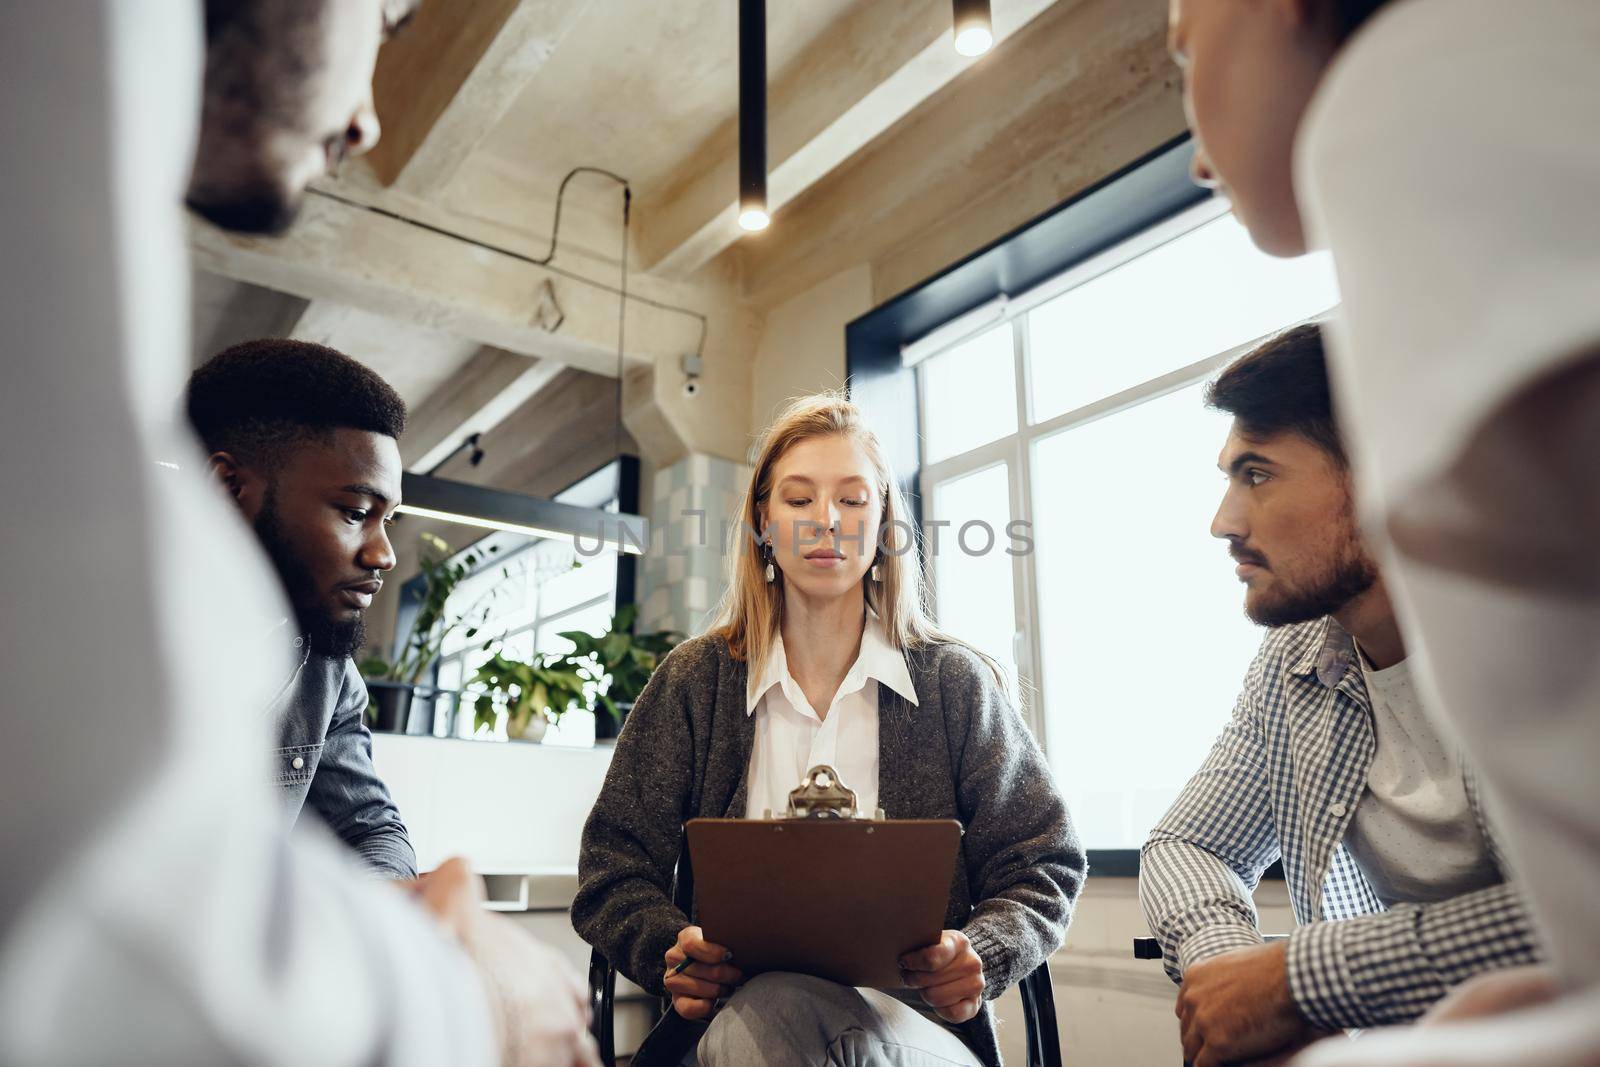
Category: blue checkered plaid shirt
[1283,781]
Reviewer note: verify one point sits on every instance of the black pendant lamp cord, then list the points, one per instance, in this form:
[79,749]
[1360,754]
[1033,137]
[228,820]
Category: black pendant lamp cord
[622,312]
[753,111]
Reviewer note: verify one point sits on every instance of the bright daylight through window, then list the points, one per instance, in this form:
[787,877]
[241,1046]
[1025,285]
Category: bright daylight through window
[551,589]
[1081,414]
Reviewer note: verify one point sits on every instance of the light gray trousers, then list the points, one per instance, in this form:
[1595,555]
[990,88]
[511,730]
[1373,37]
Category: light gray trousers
[794,1020]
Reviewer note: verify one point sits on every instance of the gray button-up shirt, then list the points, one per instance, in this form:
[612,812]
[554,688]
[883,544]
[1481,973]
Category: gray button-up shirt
[324,762]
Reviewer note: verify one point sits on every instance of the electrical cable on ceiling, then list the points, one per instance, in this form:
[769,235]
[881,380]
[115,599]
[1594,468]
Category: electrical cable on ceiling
[622,262]
[544,262]
[470,442]
[561,194]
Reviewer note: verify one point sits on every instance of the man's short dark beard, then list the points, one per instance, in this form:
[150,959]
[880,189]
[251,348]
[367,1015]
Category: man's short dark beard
[1353,575]
[328,636]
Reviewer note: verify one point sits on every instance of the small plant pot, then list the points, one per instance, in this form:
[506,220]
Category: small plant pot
[533,730]
[393,703]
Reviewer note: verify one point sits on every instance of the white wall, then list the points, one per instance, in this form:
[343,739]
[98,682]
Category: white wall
[693,507]
[505,807]
[802,342]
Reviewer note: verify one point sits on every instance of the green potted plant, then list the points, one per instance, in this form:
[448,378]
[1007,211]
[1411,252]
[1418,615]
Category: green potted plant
[532,694]
[392,683]
[618,662]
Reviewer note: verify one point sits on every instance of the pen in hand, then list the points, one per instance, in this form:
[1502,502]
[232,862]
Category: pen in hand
[687,960]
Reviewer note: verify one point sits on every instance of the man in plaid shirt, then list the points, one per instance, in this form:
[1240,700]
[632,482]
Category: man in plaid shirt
[1329,763]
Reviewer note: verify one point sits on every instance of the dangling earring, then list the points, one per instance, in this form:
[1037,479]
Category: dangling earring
[772,575]
[875,575]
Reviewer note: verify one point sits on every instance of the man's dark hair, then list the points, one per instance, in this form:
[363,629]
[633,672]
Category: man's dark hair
[261,399]
[1352,13]
[1281,387]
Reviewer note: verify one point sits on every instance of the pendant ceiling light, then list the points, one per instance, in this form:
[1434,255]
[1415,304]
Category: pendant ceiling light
[753,115]
[973,27]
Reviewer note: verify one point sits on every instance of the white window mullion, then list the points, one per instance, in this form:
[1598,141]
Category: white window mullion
[1028,653]
[983,456]
[925,484]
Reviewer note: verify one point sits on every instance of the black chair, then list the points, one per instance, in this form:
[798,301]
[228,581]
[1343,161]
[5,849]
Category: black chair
[1148,948]
[1039,1018]
[602,1001]
[1038,1013]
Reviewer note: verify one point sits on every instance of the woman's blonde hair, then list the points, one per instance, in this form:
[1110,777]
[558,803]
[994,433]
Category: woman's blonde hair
[752,609]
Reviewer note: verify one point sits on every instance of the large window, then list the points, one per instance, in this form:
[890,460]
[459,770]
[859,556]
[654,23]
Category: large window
[550,589]
[533,591]
[1079,413]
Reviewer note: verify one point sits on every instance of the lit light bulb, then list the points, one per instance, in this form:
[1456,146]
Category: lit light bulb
[753,219]
[974,40]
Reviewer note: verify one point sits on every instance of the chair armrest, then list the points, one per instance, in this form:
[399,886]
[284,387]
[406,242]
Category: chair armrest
[602,1002]
[1146,948]
[1039,1018]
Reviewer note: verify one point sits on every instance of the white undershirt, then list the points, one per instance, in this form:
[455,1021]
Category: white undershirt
[791,737]
[1414,833]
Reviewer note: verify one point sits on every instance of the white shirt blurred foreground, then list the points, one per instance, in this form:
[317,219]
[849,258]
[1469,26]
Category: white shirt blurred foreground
[1450,161]
[150,909]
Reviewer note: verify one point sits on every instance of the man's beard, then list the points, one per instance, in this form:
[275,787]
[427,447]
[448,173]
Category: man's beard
[328,636]
[1350,576]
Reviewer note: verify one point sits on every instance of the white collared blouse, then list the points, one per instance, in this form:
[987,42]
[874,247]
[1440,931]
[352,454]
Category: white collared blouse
[791,738]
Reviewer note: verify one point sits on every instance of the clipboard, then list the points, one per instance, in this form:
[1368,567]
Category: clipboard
[837,897]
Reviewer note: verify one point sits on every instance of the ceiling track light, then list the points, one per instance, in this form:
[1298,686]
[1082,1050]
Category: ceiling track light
[590,529]
[973,27]
[753,115]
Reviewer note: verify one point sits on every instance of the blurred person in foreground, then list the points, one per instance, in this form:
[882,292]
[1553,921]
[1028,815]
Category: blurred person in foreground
[152,909]
[1447,153]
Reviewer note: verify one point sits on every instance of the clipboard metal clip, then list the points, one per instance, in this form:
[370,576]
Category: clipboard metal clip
[822,794]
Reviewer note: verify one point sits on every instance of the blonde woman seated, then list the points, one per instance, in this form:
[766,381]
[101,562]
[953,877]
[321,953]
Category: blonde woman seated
[825,654]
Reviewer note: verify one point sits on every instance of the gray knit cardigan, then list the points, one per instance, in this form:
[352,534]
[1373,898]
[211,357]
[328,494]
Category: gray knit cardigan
[962,752]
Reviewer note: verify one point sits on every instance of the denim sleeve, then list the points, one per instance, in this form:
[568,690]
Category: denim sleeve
[349,796]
